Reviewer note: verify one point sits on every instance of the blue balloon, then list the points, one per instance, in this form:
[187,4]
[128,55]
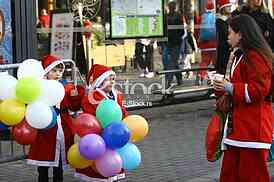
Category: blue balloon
[131,156]
[116,135]
[3,126]
[54,118]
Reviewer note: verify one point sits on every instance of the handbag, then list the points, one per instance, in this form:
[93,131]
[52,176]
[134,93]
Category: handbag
[214,136]
[224,103]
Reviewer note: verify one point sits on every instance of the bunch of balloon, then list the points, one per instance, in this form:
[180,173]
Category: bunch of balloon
[105,140]
[27,103]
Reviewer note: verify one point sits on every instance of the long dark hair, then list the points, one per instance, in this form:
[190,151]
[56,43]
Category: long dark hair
[252,37]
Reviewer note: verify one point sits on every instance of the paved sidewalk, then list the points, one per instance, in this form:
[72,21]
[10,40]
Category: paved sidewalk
[172,152]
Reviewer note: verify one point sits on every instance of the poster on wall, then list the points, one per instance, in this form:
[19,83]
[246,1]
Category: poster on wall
[5,32]
[136,18]
[62,35]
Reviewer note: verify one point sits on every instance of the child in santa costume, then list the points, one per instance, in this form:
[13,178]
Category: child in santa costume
[51,145]
[101,80]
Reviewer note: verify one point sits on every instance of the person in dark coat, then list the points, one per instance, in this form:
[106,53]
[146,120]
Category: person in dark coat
[256,9]
[223,48]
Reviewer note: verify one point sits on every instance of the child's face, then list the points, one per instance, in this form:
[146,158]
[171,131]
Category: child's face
[108,84]
[55,73]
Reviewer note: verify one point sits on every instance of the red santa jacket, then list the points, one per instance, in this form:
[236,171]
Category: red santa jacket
[89,106]
[252,113]
[50,144]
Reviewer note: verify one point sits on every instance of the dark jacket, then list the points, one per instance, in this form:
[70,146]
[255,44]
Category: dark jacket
[223,48]
[174,35]
[264,20]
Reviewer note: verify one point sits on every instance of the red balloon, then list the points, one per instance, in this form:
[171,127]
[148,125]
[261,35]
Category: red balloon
[87,124]
[24,134]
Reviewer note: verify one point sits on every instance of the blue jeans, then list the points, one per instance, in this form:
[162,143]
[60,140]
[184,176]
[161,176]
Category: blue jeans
[174,53]
[165,56]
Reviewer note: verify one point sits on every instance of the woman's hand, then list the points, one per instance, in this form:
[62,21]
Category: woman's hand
[219,85]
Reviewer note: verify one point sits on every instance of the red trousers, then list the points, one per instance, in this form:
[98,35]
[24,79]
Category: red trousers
[245,165]
[207,58]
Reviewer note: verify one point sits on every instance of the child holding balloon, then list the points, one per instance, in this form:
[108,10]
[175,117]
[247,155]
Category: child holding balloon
[101,80]
[52,143]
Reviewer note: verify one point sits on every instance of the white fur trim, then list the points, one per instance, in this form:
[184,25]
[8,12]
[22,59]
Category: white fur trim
[60,147]
[52,65]
[223,146]
[101,78]
[225,5]
[209,49]
[247,98]
[256,145]
[105,95]
[90,179]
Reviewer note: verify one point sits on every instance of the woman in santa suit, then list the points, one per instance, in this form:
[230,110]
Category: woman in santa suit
[101,81]
[51,145]
[249,125]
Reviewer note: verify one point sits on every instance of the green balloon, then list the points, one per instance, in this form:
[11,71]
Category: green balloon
[28,89]
[108,111]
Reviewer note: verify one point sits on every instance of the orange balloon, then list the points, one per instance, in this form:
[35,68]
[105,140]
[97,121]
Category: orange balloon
[138,127]
[75,159]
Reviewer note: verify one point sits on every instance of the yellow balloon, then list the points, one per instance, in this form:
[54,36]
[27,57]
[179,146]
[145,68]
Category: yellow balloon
[12,112]
[138,127]
[76,160]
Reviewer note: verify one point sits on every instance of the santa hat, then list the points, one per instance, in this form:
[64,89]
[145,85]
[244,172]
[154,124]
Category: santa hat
[50,61]
[225,3]
[98,73]
[209,5]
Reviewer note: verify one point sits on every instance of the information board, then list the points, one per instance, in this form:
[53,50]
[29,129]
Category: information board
[136,18]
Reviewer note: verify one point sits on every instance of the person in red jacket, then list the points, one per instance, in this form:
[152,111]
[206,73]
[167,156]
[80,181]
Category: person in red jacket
[248,128]
[208,46]
[51,145]
[101,80]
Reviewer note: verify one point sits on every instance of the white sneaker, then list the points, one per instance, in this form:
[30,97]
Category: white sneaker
[149,75]
[142,75]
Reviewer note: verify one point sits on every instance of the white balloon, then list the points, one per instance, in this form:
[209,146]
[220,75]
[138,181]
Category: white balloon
[38,115]
[7,86]
[30,67]
[53,92]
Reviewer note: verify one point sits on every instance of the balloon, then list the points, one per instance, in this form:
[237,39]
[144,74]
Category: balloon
[87,124]
[116,135]
[131,156]
[30,68]
[52,92]
[107,112]
[28,89]
[39,115]
[110,164]
[75,159]
[24,134]
[7,87]
[92,146]
[12,112]
[54,118]
[138,127]
[3,127]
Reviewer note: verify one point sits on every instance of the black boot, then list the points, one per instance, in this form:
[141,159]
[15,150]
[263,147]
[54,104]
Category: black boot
[43,175]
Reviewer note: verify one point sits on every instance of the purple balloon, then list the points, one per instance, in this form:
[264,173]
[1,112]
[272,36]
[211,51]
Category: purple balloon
[92,147]
[110,164]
